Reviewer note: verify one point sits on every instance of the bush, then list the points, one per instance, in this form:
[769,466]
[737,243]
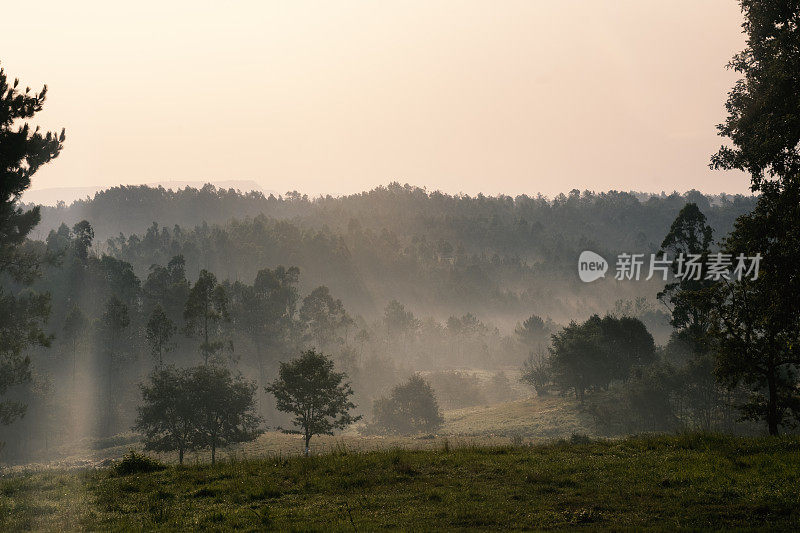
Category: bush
[411,408]
[137,463]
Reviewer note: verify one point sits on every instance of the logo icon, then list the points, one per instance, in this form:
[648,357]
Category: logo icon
[591,266]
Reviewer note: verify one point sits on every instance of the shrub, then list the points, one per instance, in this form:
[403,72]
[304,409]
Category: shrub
[411,408]
[137,463]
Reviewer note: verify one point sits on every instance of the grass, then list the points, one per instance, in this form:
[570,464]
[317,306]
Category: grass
[667,482]
[537,419]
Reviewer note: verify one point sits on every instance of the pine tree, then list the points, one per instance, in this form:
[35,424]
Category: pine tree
[22,313]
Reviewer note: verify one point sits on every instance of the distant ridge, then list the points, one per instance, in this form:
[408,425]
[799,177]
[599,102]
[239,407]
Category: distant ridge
[53,195]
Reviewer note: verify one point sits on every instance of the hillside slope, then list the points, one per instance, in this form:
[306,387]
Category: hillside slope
[670,482]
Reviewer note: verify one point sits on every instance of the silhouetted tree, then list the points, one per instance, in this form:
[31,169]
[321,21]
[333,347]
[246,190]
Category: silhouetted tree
[598,351]
[22,313]
[324,317]
[159,332]
[84,235]
[758,320]
[763,120]
[688,296]
[536,371]
[399,321]
[266,311]
[206,308]
[533,332]
[224,408]
[168,287]
[410,408]
[167,415]
[317,396]
[577,358]
[115,346]
[691,304]
[74,330]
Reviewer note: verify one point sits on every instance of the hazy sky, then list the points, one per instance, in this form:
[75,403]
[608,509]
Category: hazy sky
[338,97]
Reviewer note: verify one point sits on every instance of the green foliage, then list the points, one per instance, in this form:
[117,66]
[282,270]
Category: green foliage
[599,351]
[159,332]
[693,481]
[206,308]
[200,407]
[324,318]
[317,396]
[763,120]
[688,298]
[22,313]
[533,332]
[410,408]
[266,312]
[166,416]
[137,463]
[757,324]
[223,408]
[536,372]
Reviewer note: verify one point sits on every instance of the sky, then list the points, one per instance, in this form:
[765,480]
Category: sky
[325,97]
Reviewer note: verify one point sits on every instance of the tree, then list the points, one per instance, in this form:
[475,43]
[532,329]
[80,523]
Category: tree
[688,298]
[22,313]
[84,235]
[112,329]
[599,351]
[323,317]
[74,331]
[626,344]
[576,358]
[206,308]
[399,321]
[159,332]
[533,332]
[317,396]
[266,310]
[536,371]
[203,406]
[691,306]
[410,408]
[763,122]
[168,287]
[224,408]
[166,416]
[757,321]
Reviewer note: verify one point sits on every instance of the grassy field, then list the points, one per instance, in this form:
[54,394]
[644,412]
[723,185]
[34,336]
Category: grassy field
[668,482]
[533,419]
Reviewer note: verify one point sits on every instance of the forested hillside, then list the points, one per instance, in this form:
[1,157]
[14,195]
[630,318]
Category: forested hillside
[436,252]
[390,282]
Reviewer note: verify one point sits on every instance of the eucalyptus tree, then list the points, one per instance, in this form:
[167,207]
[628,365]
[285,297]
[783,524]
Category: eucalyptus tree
[205,311]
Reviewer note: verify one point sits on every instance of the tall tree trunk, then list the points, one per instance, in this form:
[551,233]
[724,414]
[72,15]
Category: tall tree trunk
[308,438]
[772,403]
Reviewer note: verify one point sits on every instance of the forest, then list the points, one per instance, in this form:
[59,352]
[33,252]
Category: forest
[406,356]
[391,283]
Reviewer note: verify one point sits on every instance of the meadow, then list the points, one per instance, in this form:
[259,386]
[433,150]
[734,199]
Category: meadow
[690,481]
